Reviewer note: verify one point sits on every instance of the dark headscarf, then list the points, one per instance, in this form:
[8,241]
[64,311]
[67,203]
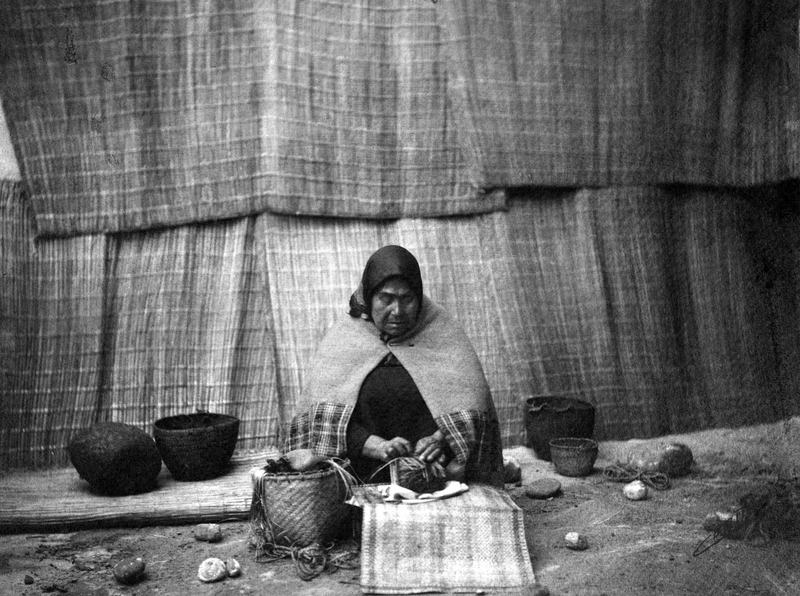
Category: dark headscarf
[387,262]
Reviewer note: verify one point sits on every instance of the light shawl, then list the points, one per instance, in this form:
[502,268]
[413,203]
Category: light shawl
[443,364]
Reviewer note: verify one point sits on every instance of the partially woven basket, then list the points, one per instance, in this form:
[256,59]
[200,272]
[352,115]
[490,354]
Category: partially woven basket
[416,475]
[573,456]
[196,446]
[300,508]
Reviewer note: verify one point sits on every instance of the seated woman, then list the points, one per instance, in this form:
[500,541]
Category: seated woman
[398,377]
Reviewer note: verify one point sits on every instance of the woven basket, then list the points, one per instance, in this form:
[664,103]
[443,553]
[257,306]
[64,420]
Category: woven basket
[116,458]
[301,508]
[418,476]
[553,416]
[573,456]
[196,446]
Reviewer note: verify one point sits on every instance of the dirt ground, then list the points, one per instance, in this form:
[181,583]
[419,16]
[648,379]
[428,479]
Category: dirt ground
[635,547]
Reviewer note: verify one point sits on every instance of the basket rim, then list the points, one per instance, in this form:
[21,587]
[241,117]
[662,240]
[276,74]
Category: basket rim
[295,476]
[573,444]
[217,421]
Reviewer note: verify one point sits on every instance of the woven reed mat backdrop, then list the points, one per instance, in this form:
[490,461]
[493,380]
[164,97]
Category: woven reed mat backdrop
[165,248]
[137,114]
[670,311]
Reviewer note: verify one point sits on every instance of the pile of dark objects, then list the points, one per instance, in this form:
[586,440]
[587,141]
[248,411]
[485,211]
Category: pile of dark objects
[762,515]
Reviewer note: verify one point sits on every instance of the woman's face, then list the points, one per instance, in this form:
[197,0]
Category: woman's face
[394,307]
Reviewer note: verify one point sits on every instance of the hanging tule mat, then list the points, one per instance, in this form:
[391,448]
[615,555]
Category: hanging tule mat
[58,500]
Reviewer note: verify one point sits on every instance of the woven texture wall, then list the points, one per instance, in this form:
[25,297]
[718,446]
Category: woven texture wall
[130,115]
[601,193]
[670,311]
[618,92]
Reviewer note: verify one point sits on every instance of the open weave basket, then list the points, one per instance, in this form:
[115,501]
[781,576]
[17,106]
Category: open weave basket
[573,456]
[300,508]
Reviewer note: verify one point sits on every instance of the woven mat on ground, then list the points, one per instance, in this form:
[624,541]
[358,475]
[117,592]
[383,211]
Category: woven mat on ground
[471,542]
[58,500]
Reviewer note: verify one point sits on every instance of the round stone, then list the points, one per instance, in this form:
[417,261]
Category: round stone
[635,491]
[211,570]
[129,571]
[208,532]
[232,568]
[511,470]
[576,541]
[543,489]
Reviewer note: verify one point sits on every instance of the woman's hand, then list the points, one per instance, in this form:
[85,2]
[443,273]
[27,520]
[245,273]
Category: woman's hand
[429,449]
[376,447]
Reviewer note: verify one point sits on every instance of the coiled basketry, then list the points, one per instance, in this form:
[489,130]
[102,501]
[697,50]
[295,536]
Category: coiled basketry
[554,416]
[573,456]
[300,508]
[196,446]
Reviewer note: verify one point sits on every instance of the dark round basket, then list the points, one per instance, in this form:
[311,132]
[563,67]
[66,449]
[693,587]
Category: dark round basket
[116,458]
[552,416]
[196,446]
[573,456]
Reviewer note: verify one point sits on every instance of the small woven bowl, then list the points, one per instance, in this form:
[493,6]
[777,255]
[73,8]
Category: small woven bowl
[196,446]
[573,456]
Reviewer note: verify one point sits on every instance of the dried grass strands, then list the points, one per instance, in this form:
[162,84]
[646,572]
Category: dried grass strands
[27,500]
[133,159]
[184,299]
[352,119]
[359,121]
[727,326]
[18,321]
[654,93]
[67,368]
[312,266]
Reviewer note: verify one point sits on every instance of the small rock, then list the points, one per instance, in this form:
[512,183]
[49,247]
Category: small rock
[576,541]
[635,491]
[208,532]
[232,568]
[714,521]
[512,470]
[129,571]
[543,489]
[29,580]
[211,570]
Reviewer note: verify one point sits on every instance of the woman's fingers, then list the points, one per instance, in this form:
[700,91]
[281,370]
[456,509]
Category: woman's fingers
[431,453]
[403,446]
[428,449]
[397,447]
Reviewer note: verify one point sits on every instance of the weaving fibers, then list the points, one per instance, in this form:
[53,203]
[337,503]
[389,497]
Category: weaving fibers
[139,115]
[58,500]
[624,93]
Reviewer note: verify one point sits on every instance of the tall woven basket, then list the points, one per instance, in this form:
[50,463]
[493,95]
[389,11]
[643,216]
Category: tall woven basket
[300,508]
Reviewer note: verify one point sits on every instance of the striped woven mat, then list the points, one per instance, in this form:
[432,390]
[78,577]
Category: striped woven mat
[58,500]
[468,543]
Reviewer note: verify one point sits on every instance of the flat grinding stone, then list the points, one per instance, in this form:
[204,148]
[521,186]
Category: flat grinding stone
[543,489]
